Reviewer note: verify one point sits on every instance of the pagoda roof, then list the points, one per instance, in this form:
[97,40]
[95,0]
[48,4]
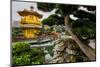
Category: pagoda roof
[26,12]
[16,24]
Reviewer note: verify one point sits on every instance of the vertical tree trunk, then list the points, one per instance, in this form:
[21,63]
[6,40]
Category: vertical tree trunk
[89,52]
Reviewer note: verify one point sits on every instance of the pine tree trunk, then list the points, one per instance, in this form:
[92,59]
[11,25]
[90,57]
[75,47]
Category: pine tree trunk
[88,51]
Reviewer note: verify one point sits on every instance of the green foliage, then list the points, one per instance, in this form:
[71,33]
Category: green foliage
[85,29]
[20,47]
[46,6]
[50,50]
[38,55]
[22,59]
[85,26]
[16,32]
[53,20]
[83,15]
[47,22]
[81,27]
[64,9]
[24,55]
[20,52]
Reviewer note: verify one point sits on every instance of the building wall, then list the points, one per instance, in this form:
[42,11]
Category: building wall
[30,19]
[30,32]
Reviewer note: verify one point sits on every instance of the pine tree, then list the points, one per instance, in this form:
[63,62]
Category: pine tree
[85,26]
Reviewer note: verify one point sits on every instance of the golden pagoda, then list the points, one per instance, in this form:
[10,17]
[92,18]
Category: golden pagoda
[30,23]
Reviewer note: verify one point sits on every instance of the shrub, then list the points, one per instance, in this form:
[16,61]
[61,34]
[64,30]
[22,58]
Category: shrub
[24,55]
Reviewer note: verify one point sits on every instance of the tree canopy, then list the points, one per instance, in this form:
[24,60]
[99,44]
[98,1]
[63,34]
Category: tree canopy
[85,26]
[53,20]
